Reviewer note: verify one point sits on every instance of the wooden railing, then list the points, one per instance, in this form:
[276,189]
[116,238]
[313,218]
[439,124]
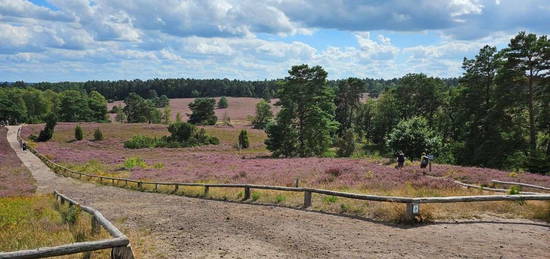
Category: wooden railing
[119,243]
[411,210]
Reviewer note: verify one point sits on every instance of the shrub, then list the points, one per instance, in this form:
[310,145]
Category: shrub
[78,134]
[255,196]
[243,139]
[140,141]
[133,162]
[47,133]
[346,144]
[330,199]
[280,198]
[222,103]
[98,135]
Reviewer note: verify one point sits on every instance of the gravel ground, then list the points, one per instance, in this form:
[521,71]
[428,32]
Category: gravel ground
[183,227]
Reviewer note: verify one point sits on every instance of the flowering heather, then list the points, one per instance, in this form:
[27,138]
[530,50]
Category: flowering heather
[15,179]
[223,163]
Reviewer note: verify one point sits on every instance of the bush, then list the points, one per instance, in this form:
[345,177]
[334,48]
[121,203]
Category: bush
[98,135]
[222,103]
[203,111]
[346,144]
[47,133]
[78,134]
[133,162]
[183,135]
[243,139]
[140,141]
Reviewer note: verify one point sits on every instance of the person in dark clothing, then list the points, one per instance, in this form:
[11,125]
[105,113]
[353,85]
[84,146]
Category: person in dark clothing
[400,159]
[424,160]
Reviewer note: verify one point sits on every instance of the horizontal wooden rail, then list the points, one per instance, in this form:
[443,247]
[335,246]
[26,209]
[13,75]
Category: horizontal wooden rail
[522,184]
[412,208]
[119,244]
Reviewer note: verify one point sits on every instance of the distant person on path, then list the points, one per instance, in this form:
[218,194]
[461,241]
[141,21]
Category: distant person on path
[400,159]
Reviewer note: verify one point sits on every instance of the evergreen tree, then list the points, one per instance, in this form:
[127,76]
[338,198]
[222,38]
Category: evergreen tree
[203,111]
[263,115]
[306,121]
[78,134]
[243,139]
[98,135]
[47,133]
[222,103]
[348,99]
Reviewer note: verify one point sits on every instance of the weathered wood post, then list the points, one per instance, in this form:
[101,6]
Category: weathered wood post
[95,226]
[100,179]
[296,182]
[246,193]
[411,211]
[140,185]
[122,252]
[125,183]
[113,181]
[176,187]
[156,187]
[307,199]
[206,189]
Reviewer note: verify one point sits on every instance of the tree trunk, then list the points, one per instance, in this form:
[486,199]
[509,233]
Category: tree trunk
[532,128]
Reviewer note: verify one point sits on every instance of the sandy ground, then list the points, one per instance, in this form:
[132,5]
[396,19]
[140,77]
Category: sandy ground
[184,227]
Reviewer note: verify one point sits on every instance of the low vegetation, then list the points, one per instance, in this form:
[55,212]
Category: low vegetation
[182,135]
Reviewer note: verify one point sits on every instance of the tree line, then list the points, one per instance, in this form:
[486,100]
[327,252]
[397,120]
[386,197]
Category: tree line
[30,105]
[192,88]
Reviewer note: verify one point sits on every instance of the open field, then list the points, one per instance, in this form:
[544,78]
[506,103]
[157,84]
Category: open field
[15,178]
[239,109]
[225,164]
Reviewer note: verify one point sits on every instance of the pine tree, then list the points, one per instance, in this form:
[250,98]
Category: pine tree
[78,134]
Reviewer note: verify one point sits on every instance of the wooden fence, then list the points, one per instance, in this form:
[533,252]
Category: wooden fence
[119,243]
[412,208]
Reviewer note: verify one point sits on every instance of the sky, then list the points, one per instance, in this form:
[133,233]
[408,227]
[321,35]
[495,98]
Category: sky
[80,40]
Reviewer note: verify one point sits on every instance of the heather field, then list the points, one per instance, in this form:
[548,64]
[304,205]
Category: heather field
[239,109]
[225,164]
[15,179]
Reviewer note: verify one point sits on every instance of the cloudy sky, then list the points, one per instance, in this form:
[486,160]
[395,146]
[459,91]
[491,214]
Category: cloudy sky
[78,40]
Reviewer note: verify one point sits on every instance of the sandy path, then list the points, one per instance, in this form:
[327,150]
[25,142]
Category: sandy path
[196,228]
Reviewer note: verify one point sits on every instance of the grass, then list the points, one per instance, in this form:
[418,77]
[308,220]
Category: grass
[38,221]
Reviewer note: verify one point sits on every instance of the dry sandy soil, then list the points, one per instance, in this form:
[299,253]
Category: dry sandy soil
[182,227]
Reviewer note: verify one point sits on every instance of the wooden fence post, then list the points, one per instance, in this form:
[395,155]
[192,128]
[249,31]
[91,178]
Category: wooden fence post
[246,193]
[411,211]
[122,252]
[307,199]
[206,189]
[176,187]
[296,182]
[140,185]
[95,226]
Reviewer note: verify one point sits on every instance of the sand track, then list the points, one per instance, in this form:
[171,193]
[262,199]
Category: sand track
[196,228]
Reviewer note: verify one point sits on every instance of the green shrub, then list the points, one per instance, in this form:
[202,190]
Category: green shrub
[243,139]
[222,103]
[98,135]
[140,141]
[133,162]
[330,199]
[78,134]
[47,133]
[280,198]
[255,196]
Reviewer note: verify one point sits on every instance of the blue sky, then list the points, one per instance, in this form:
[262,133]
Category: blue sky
[79,40]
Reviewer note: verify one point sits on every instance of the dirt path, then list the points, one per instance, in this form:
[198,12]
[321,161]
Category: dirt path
[195,228]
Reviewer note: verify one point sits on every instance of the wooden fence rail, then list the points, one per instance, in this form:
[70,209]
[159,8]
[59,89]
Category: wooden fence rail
[412,208]
[522,184]
[119,243]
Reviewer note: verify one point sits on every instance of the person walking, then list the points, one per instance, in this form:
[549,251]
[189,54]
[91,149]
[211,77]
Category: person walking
[400,159]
